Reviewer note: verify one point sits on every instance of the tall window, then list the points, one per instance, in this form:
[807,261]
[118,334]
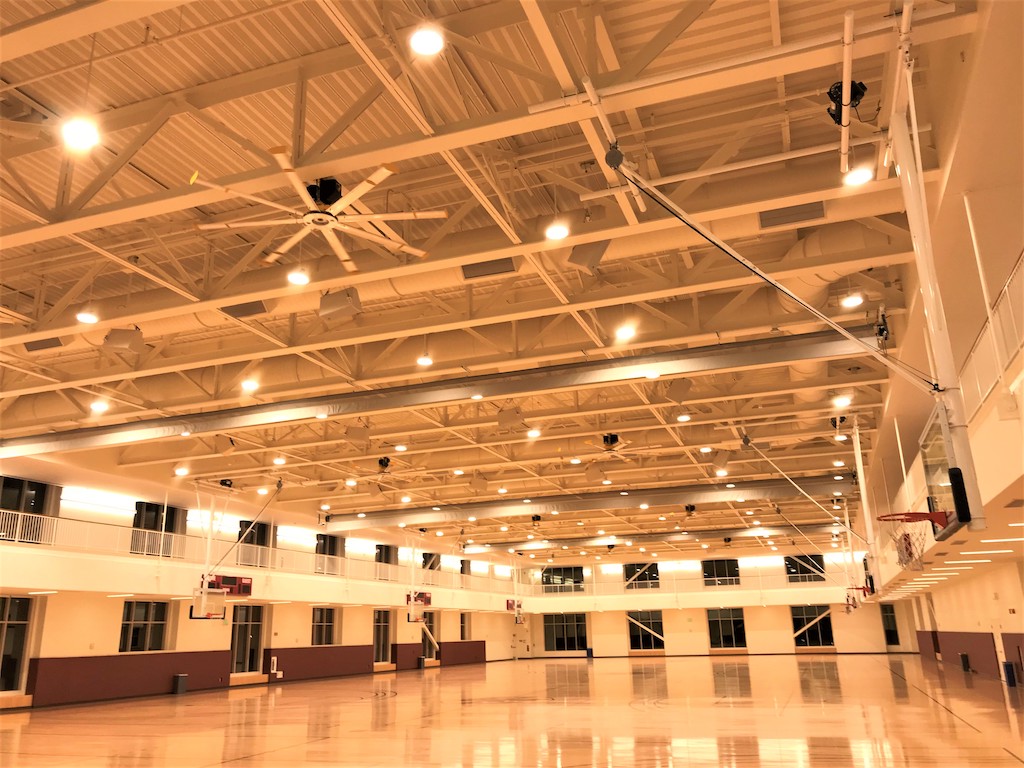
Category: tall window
[253,543]
[13,631]
[641,575]
[143,626]
[246,638]
[385,553]
[466,567]
[381,636]
[646,632]
[431,561]
[328,549]
[464,626]
[565,631]
[805,568]
[720,573]
[812,626]
[323,626]
[151,524]
[725,628]
[568,579]
[430,623]
[892,634]
[17,495]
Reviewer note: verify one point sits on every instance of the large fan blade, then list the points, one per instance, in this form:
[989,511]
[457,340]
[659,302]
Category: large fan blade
[281,156]
[195,180]
[339,250]
[381,240]
[288,244]
[398,216]
[362,188]
[248,224]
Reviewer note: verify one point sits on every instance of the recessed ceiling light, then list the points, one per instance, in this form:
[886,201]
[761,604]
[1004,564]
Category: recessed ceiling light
[683,418]
[503,528]
[298,277]
[279,460]
[645,506]
[527,501]
[706,449]
[406,499]
[842,401]
[600,532]
[351,482]
[856,177]
[836,506]
[775,549]
[80,134]
[427,40]
[606,481]
[623,493]
[181,471]
[651,375]
[730,485]
[834,545]
[325,507]
[556,231]
[966,562]
[721,472]
[185,433]
[987,552]
[625,332]
[262,491]
[533,433]
[841,438]
[250,385]
[1002,541]
[45,592]
[837,477]
[424,360]
[439,533]
[401,448]
[575,460]
[661,517]
[87,316]
[436,509]
[471,519]
[503,490]
[476,397]
[361,514]
[837,493]
[458,471]
[322,415]
[99,406]
[838,463]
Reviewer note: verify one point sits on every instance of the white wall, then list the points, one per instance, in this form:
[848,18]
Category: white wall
[982,603]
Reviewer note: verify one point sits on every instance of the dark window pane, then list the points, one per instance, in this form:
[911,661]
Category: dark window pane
[17,609]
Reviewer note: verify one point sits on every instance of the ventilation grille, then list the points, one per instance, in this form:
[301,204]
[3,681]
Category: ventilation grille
[1015,504]
[777,217]
[40,344]
[488,269]
[248,309]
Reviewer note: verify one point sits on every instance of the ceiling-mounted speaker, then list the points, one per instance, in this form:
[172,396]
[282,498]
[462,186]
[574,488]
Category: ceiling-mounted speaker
[223,445]
[510,418]
[478,484]
[357,434]
[340,304]
[246,309]
[125,340]
[679,389]
[588,255]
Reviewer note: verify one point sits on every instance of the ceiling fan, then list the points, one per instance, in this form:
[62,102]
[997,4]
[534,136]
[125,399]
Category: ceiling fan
[614,445]
[325,204]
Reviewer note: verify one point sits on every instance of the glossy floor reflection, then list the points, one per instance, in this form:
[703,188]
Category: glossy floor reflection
[778,711]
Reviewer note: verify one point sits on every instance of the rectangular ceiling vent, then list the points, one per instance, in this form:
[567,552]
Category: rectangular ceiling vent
[41,344]
[248,309]
[1015,504]
[490,268]
[792,214]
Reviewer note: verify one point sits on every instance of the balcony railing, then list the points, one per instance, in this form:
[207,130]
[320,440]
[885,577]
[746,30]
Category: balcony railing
[100,538]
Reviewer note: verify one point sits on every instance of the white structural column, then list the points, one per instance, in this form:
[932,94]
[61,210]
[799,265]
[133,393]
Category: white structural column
[951,396]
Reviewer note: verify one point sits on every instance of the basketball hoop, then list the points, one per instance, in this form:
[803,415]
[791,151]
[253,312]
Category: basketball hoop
[208,603]
[417,603]
[909,542]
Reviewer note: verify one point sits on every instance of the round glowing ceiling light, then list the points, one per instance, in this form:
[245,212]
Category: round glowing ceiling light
[856,177]
[836,506]
[551,559]
[706,449]
[838,463]
[757,522]
[750,511]
[842,401]
[279,460]
[402,525]
[841,438]
[583,551]
[80,134]
[730,485]
[351,482]
[424,360]
[661,517]
[837,477]
[503,528]
[250,385]
[426,41]
[852,301]
[322,415]
[682,418]
[527,501]
[580,522]
[775,549]
[406,499]
[721,472]
[298,277]
[469,541]
[436,509]
[503,490]
[651,375]
[834,545]
[181,471]
[600,532]
[439,533]
[623,493]
[361,514]
[625,332]
[606,481]
[325,507]
[458,471]
[837,493]
[556,231]
[185,433]
[704,546]
[87,316]
[401,448]
[476,397]
[262,491]
[471,519]
[575,460]
[740,500]
[533,433]
[645,506]
[99,406]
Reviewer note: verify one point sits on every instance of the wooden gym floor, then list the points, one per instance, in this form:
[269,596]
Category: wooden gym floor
[870,711]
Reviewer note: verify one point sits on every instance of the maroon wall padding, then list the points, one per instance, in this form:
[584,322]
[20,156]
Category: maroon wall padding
[94,678]
[979,646]
[463,652]
[926,644]
[406,655]
[1013,648]
[320,661]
